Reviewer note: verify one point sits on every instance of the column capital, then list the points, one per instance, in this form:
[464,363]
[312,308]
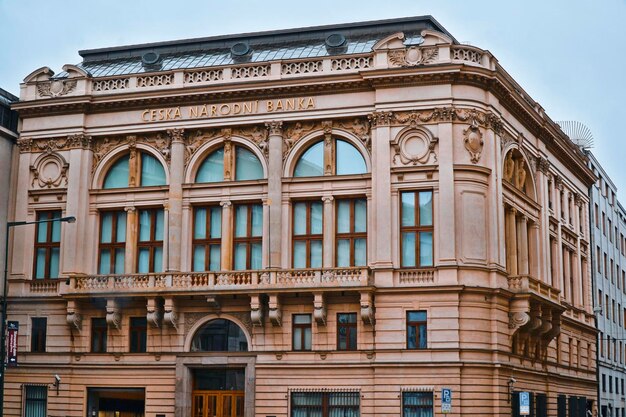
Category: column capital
[274,127]
[226,203]
[130,209]
[176,135]
[328,199]
[380,118]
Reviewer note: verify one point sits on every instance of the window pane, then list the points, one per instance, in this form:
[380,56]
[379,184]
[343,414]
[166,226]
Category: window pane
[343,252]
[316,254]
[316,218]
[256,258]
[216,222]
[106,235]
[119,261]
[215,261]
[307,338]
[144,261]
[302,318]
[257,220]
[144,225]
[422,334]
[212,169]
[56,231]
[105,262]
[158,259]
[411,337]
[121,227]
[54,263]
[408,209]
[343,216]
[349,159]
[198,258]
[311,163]
[42,228]
[426,249]
[241,221]
[247,165]
[416,316]
[40,269]
[408,249]
[297,338]
[299,254]
[199,229]
[360,252]
[360,216]
[240,256]
[152,172]
[426,208]
[158,232]
[299,219]
[117,177]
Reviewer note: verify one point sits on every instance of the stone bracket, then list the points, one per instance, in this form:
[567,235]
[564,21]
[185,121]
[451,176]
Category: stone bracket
[319,309]
[367,308]
[73,317]
[114,315]
[275,313]
[256,310]
[170,315]
[154,314]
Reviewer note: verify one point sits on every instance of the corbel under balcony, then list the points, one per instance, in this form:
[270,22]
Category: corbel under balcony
[256,310]
[275,312]
[154,314]
[73,317]
[114,314]
[170,315]
[319,309]
[367,307]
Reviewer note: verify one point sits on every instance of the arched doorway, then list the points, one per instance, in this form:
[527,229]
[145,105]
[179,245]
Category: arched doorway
[219,392]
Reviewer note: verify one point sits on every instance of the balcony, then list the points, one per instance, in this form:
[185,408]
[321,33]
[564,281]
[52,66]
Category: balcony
[219,282]
[529,284]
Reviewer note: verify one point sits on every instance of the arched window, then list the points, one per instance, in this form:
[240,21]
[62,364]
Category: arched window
[344,159]
[122,173]
[218,166]
[219,335]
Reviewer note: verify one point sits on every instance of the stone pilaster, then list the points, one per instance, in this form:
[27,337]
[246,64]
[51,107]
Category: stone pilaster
[175,203]
[274,190]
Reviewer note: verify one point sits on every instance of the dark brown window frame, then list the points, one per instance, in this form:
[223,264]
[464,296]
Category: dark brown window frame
[113,245]
[248,239]
[208,241]
[325,407]
[38,334]
[136,333]
[417,229]
[151,244]
[352,235]
[99,326]
[48,245]
[304,326]
[308,237]
[350,327]
[416,324]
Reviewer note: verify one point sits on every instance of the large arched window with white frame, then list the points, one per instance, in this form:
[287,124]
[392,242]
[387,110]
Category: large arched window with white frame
[221,163]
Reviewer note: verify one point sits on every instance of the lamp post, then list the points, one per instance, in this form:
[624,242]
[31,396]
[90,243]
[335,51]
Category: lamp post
[3,328]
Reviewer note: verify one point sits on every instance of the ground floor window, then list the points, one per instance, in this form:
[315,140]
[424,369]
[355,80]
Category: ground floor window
[116,402]
[325,404]
[35,400]
[417,404]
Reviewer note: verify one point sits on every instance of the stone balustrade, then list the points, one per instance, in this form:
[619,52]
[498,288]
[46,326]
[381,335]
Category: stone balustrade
[527,283]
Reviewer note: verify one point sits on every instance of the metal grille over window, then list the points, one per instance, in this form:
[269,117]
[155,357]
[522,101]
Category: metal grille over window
[325,404]
[417,404]
[35,400]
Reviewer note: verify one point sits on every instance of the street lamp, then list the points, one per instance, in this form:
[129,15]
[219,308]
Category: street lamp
[3,329]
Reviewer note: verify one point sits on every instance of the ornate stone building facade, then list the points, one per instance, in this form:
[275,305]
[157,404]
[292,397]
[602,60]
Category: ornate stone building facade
[8,137]
[340,220]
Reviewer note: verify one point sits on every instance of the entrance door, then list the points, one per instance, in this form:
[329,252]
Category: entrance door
[218,404]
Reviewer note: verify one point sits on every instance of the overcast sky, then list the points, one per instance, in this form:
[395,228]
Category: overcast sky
[569,55]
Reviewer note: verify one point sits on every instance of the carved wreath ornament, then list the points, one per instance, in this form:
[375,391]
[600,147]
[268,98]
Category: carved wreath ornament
[473,139]
[415,146]
[410,57]
[55,88]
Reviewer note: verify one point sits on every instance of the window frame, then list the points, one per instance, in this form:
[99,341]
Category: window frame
[325,405]
[350,327]
[137,335]
[248,240]
[151,244]
[417,228]
[34,401]
[98,327]
[304,327]
[38,334]
[416,325]
[352,236]
[421,408]
[114,244]
[49,244]
[308,237]
[208,241]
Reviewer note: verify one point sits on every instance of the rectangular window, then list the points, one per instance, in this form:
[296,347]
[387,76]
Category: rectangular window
[98,335]
[541,402]
[346,331]
[112,242]
[596,216]
[150,241]
[351,235]
[35,400]
[416,336]
[207,238]
[325,404]
[561,405]
[248,236]
[603,383]
[307,234]
[417,404]
[301,330]
[38,334]
[599,264]
[416,229]
[47,245]
[138,329]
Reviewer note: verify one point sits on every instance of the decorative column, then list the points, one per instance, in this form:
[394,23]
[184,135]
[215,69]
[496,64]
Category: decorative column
[575,278]
[175,218]
[381,191]
[511,241]
[533,250]
[566,274]
[227,236]
[543,232]
[329,233]
[274,190]
[131,240]
[522,248]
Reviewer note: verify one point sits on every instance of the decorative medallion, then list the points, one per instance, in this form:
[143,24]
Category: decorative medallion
[49,171]
[473,139]
[413,56]
[56,88]
[414,146]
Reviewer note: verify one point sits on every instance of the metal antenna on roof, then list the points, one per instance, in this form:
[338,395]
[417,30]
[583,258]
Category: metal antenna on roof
[578,133]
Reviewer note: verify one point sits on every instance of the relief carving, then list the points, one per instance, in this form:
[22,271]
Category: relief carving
[55,88]
[473,140]
[414,146]
[380,118]
[319,309]
[413,56]
[154,313]
[360,128]
[114,315]
[49,171]
[275,312]
[294,133]
[256,310]
[518,319]
[487,120]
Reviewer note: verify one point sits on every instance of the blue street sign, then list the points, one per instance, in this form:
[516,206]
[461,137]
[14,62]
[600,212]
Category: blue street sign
[524,403]
[446,400]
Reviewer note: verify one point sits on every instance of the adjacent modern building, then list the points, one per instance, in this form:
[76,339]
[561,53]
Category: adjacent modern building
[328,221]
[8,138]
[608,240]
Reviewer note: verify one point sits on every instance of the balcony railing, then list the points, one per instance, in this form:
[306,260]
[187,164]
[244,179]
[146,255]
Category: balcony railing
[527,283]
[218,281]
